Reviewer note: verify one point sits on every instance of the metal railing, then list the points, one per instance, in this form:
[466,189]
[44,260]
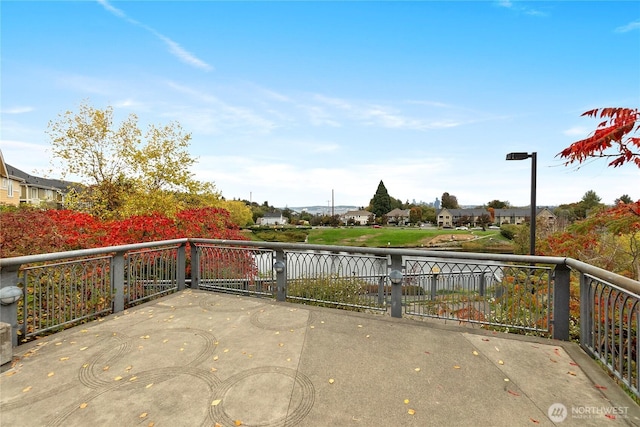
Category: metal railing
[526,293]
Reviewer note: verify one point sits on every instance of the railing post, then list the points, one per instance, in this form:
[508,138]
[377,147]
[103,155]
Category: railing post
[117,281]
[483,284]
[561,296]
[586,313]
[195,267]
[396,287]
[280,266]
[181,266]
[9,312]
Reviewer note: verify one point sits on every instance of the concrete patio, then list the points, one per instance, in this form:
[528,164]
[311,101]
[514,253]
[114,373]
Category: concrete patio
[197,358]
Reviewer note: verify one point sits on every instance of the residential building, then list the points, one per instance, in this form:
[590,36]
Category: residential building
[359,217]
[448,218]
[33,190]
[9,185]
[272,218]
[398,216]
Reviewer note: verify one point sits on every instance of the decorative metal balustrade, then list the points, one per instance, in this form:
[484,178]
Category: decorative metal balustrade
[510,292]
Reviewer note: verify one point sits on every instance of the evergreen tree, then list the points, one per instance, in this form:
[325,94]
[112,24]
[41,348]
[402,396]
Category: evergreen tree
[381,202]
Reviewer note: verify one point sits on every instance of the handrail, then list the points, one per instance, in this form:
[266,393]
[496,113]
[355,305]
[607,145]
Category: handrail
[29,259]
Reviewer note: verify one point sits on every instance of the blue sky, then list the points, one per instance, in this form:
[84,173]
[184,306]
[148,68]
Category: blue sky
[287,101]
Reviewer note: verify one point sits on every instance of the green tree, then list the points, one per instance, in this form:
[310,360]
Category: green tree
[497,204]
[623,199]
[381,202]
[449,201]
[588,203]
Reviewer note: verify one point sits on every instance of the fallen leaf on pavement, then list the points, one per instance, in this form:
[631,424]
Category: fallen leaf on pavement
[475,353]
[143,415]
[601,387]
[216,402]
[83,405]
[411,411]
[571,373]
[534,421]
[513,393]
[331,380]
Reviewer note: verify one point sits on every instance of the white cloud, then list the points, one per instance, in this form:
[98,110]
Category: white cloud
[174,48]
[635,25]
[17,110]
[577,131]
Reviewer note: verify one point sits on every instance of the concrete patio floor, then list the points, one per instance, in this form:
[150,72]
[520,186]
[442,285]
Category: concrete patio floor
[197,358]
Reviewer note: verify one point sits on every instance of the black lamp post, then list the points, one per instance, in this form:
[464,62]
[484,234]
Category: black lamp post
[532,221]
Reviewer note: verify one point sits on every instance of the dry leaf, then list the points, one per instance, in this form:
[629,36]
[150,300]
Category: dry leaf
[106,368]
[143,415]
[8,374]
[133,378]
[84,348]
[151,424]
[417,369]
[50,374]
[534,420]
[406,401]
[215,357]
[513,393]
[149,385]
[411,411]
[456,367]
[571,373]
[500,362]
[311,327]
[24,390]
[281,344]
[83,405]
[226,350]
[331,380]
[216,402]
[64,358]
[600,387]
[118,378]
[506,379]
[237,423]
[475,353]
[128,368]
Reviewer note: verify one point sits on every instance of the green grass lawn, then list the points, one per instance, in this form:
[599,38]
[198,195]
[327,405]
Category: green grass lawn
[405,237]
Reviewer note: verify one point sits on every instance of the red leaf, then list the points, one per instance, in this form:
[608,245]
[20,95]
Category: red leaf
[513,393]
[601,387]
[534,421]
[610,416]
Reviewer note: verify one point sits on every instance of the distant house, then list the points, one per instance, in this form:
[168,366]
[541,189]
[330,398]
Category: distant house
[272,218]
[35,190]
[9,185]
[448,218]
[359,217]
[471,217]
[398,216]
[520,216]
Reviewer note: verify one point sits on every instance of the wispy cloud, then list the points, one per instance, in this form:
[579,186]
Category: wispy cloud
[520,8]
[576,131]
[174,48]
[635,25]
[375,115]
[17,110]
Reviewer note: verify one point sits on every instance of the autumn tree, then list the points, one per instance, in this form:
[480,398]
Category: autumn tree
[623,199]
[449,201]
[612,139]
[124,175]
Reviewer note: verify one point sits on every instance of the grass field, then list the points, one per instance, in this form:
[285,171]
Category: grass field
[400,237]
